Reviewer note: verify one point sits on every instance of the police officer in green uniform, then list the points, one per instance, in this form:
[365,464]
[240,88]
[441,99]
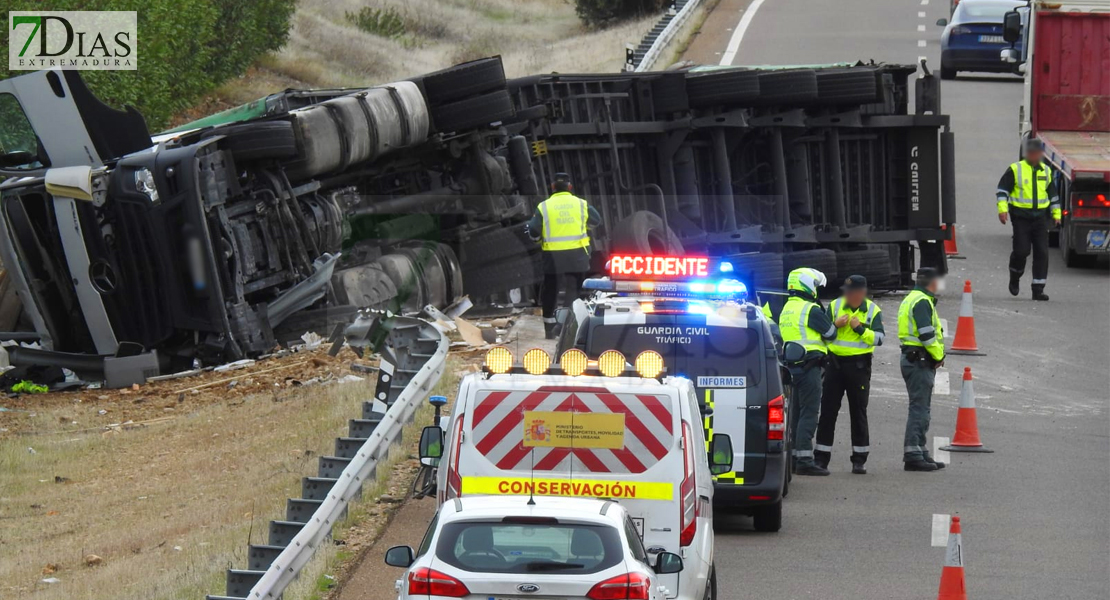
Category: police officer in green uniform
[1027,196]
[859,329]
[805,329]
[561,223]
[922,339]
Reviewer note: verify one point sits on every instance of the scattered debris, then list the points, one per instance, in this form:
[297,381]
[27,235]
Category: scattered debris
[387,499]
[231,366]
[50,569]
[469,333]
[51,580]
[312,340]
[29,387]
[60,479]
[350,379]
[361,368]
[177,548]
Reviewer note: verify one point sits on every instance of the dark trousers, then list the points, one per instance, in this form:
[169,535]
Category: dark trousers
[919,375]
[849,375]
[549,293]
[804,406]
[1030,232]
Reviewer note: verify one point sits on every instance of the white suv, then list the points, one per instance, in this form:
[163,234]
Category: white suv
[514,546]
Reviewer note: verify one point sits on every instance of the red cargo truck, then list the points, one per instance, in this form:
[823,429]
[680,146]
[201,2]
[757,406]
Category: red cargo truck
[1067,105]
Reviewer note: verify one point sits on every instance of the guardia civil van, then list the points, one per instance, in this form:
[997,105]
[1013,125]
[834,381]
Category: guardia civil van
[694,313]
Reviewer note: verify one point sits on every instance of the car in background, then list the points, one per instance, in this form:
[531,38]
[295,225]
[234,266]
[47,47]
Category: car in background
[972,39]
[551,547]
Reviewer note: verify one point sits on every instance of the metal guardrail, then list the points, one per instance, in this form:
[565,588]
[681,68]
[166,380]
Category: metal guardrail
[413,360]
[653,44]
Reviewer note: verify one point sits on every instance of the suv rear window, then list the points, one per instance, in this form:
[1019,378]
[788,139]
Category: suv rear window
[688,344]
[499,547]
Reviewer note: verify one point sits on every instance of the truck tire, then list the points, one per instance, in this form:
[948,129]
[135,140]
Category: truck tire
[822,260]
[474,112]
[759,270]
[465,80]
[407,278]
[496,246]
[449,261]
[434,277]
[258,141]
[872,263]
[668,93]
[793,87]
[484,280]
[855,85]
[643,232]
[722,87]
[768,518]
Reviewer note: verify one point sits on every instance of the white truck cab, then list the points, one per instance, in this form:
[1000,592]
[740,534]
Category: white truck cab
[587,429]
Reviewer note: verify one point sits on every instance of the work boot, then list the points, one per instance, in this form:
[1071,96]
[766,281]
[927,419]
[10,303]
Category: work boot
[812,470]
[1038,293]
[920,465]
[929,459]
[551,330]
[1015,281]
[858,469]
[821,459]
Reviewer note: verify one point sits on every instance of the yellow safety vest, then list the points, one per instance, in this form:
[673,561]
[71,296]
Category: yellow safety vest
[907,326]
[848,342]
[564,222]
[1022,196]
[794,325]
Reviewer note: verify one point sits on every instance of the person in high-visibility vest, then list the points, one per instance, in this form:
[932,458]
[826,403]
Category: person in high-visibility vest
[805,329]
[561,223]
[922,337]
[1027,196]
[859,329]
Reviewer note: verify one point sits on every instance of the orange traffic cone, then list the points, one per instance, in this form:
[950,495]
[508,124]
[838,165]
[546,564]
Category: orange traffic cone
[952,577]
[964,342]
[950,241]
[967,421]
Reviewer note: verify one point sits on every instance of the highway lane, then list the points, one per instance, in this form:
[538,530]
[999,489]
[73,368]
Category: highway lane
[1035,512]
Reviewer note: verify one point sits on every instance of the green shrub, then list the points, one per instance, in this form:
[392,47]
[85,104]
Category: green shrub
[387,22]
[185,49]
[596,13]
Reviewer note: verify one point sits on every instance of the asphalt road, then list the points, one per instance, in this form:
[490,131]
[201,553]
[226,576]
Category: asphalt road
[1036,514]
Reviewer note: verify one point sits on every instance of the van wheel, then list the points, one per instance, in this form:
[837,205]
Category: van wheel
[768,518]
[711,586]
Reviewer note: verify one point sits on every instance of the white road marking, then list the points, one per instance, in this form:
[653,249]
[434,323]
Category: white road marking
[942,455]
[940,529]
[920,43]
[942,385]
[738,35]
[924,2]
[921,28]
[919,59]
[920,14]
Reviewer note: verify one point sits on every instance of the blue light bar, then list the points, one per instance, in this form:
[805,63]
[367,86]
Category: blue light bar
[730,289]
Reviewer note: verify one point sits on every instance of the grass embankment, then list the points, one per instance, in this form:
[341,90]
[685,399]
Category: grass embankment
[357,43]
[166,507]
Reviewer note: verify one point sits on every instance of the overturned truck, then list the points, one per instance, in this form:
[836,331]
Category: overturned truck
[227,236]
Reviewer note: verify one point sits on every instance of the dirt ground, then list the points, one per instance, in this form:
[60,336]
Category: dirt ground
[100,409]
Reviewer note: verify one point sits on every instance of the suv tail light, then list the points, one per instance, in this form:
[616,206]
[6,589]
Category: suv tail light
[630,586]
[688,501]
[429,582]
[960,30]
[776,419]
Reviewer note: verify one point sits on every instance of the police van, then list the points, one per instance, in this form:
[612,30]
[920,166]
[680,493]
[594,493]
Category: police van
[593,428]
[696,315]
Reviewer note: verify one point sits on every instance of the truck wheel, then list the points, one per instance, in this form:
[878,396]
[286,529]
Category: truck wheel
[643,232]
[722,87]
[791,87]
[768,518]
[947,72]
[763,268]
[460,81]
[854,85]
[872,263]
[475,112]
[258,141]
[823,260]
[711,585]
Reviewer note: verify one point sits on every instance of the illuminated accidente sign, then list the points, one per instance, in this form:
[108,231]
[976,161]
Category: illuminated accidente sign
[624,266]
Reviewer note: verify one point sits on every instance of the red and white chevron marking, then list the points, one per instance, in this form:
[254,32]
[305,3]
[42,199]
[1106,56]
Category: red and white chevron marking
[498,430]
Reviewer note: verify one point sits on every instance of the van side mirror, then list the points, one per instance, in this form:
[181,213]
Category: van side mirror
[431,442]
[667,563]
[561,315]
[1011,26]
[399,556]
[942,22]
[720,454]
